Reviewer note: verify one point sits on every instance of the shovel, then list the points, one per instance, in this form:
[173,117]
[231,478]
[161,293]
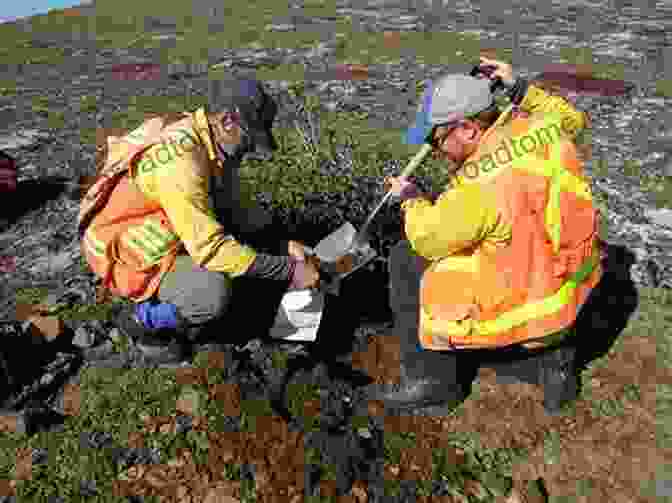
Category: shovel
[346,250]
[360,238]
[335,259]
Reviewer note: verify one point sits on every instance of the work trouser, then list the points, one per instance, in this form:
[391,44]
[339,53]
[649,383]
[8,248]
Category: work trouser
[205,298]
[406,268]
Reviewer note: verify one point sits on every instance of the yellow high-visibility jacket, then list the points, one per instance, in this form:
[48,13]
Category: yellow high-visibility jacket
[151,202]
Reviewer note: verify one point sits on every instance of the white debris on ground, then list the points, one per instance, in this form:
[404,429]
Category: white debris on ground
[21,138]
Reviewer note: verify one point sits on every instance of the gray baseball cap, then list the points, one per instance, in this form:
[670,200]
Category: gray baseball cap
[451,97]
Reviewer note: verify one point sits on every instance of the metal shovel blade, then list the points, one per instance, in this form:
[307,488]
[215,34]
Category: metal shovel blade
[340,255]
[336,244]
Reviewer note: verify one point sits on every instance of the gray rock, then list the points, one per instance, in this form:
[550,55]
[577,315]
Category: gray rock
[183,423]
[40,456]
[280,27]
[364,432]
[104,352]
[96,440]
[21,138]
[46,379]
[83,338]
[661,217]
[88,488]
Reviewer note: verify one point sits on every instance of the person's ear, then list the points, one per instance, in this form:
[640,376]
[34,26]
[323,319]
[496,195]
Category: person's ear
[470,130]
[225,130]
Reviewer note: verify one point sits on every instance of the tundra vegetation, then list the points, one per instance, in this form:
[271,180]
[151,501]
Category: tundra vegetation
[141,407]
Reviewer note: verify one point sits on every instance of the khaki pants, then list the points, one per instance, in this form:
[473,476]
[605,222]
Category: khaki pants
[200,295]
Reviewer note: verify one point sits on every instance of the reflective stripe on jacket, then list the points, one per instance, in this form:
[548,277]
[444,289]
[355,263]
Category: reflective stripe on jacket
[195,189]
[530,285]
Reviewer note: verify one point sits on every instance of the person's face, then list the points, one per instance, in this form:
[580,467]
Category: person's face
[229,138]
[456,142]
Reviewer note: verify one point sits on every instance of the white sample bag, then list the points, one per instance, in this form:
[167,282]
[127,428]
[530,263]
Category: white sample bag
[299,316]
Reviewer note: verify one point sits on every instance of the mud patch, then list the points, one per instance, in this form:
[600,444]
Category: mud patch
[612,449]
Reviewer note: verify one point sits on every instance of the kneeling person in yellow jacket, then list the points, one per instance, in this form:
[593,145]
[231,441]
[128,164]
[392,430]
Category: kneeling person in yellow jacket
[508,256]
[157,224]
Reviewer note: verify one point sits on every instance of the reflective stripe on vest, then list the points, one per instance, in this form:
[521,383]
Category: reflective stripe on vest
[149,241]
[560,178]
[516,316]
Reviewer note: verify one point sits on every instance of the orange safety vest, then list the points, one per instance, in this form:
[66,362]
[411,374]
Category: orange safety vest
[126,238]
[533,286]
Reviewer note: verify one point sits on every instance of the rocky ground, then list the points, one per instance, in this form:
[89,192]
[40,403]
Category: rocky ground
[37,233]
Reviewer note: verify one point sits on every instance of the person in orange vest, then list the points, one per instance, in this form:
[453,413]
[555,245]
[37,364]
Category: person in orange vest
[503,260]
[156,226]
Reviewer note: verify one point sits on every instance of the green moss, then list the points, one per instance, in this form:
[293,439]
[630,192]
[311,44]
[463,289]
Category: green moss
[88,104]
[298,394]
[8,91]
[662,194]
[395,443]
[664,88]
[250,409]
[31,295]
[279,360]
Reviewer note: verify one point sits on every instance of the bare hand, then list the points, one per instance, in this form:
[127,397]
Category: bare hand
[396,184]
[306,275]
[313,276]
[296,250]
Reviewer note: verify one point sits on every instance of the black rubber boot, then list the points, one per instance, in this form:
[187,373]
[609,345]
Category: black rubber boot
[419,388]
[160,347]
[558,377]
[427,378]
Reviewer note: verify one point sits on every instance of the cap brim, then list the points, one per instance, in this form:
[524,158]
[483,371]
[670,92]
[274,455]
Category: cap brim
[418,133]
